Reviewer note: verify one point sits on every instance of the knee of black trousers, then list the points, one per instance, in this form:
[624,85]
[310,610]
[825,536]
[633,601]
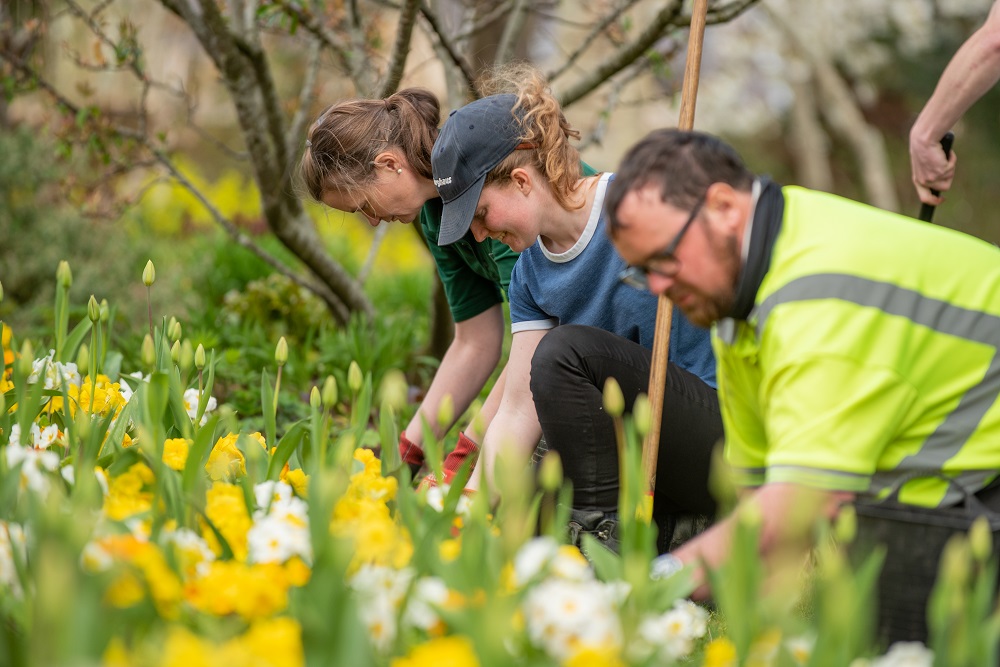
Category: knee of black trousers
[555,353]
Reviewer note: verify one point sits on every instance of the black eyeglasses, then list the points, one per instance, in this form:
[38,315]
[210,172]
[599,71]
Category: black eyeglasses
[663,263]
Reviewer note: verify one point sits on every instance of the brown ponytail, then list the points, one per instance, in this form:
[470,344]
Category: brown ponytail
[343,142]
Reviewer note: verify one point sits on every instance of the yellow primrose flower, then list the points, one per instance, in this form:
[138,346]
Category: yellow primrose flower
[230,587]
[720,653]
[103,398]
[175,452]
[126,495]
[449,550]
[226,508]
[125,591]
[593,656]
[298,480]
[297,571]
[226,460]
[275,642]
[454,651]
[183,648]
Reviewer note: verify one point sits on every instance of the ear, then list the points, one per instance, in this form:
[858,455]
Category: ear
[725,206]
[390,159]
[520,178]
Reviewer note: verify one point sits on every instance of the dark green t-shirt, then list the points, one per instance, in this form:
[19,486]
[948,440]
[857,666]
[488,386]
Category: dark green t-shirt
[475,275]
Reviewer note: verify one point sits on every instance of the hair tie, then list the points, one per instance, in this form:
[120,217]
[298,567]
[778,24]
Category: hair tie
[308,144]
[386,103]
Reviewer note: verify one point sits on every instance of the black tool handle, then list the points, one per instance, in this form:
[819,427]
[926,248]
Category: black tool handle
[927,210]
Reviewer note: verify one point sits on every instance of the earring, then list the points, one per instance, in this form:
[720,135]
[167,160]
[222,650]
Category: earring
[399,170]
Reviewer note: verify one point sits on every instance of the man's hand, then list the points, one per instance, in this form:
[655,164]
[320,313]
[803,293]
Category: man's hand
[932,169]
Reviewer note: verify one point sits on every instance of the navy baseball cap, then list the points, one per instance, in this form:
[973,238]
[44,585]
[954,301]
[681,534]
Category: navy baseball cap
[474,140]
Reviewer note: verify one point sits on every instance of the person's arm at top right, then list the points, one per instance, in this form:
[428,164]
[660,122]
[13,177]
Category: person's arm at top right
[973,70]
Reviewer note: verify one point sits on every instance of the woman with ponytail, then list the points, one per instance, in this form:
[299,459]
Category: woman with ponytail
[373,157]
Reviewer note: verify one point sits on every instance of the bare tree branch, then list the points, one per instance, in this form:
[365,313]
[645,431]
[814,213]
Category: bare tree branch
[625,56]
[511,31]
[590,39]
[307,95]
[448,47]
[483,21]
[400,48]
[330,39]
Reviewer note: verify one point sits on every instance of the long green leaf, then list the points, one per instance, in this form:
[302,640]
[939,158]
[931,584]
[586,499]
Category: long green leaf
[72,343]
[204,439]
[288,444]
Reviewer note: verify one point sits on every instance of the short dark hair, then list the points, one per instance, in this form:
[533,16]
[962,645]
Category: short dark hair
[683,164]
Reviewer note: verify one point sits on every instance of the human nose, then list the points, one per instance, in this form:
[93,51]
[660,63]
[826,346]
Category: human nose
[479,231]
[658,283]
[371,219]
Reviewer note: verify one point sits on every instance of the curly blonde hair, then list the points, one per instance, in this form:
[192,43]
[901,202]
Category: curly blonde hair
[544,127]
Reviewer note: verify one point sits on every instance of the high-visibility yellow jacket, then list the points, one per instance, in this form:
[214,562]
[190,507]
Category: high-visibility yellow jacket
[871,352]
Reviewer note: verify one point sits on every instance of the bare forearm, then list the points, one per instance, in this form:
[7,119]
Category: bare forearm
[463,372]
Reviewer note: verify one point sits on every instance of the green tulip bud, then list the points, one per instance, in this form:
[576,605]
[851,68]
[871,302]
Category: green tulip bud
[394,389]
[93,309]
[83,359]
[187,355]
[354,377]
[315,399]
[281,352]
[550,472]
[148,351]
[149,274]
[955,562]
[642,415]
[82,425]
[329,395]
[176,332]
[1,292]
[845,528]
[175,352]
[63,275]
[614,401]
[446,411]
[105,311]
[981,539]
[26,359]
[199,357]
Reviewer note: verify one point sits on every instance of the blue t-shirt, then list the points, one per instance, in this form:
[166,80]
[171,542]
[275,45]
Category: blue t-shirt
[581,286]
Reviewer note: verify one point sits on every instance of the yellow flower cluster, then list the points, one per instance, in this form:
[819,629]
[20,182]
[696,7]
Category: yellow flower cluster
[363,515]
[226,508]
[102,397]
[227,462]
[275,642]
[452,651]
[8,359]
[145,569]
[231,587]
[128,493]
[175,452]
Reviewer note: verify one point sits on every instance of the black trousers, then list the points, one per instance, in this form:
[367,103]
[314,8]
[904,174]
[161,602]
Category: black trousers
[568,373]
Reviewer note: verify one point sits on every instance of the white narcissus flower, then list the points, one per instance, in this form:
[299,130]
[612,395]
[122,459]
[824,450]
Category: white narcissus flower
[545,554]
[800,648]
[674,632]
[191,398]
[193,551]
[435,500]
[564,617]
[275,539]
[906,654]
[270,493]
[429,595]
[34,463]
[380,592]
[46,436]
[54,372]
